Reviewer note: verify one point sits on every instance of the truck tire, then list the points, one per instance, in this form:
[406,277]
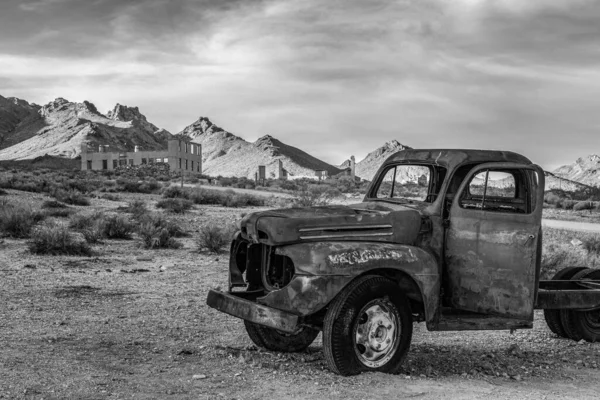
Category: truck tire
[568,317]
[587,323]
[367,327]
[274,340]
[552,316]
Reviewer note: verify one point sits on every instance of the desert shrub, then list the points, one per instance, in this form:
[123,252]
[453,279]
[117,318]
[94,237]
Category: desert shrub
[178,206]
[175,192]
[135,186]
[117,227]
[53,204]
[158,232]
[583,205]
[57,240]
[72,197]
[94,233]
[213,237]
[91,225]
[18,221]
[159,220]
[592,245]
[568,204]
[314,195]
[558,252]
[227,198]
[110,197]
[82,221]
[551,198]
[288,185]
[59,212]
[137,208]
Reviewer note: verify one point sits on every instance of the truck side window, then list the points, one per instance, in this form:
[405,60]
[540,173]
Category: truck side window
[497,190]
[408,182]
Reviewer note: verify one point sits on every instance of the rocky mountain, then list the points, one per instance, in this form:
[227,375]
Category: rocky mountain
[226,154]
[584,170]
[18,120]
[368,166]
[60,127]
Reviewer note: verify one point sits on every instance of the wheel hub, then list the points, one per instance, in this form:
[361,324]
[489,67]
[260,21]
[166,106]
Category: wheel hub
[376,333]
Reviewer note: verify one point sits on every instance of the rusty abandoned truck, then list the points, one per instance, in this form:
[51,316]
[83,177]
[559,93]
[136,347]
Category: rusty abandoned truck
[451,238]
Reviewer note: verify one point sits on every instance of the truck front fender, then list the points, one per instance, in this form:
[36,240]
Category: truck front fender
[323,269]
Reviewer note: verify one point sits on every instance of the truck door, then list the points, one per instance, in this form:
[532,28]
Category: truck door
[492,264]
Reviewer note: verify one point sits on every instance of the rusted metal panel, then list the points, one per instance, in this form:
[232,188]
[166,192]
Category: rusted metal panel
[491,257]
[324,268]
[465,323]
[277,227]
[251,311]
[568,299]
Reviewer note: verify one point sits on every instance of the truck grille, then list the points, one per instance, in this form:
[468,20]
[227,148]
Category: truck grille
[267,269]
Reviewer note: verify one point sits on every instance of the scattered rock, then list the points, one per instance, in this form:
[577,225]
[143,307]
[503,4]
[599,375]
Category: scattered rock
[29,266]
[576,243]
[200,376]
[513,349]
[144,258]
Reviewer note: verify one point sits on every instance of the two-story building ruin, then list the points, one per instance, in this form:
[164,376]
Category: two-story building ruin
[180,155]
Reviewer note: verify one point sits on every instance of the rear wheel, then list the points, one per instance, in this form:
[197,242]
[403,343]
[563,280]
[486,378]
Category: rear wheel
[368,327]
[552,316]
[274,340]
[568,317]
[587,323]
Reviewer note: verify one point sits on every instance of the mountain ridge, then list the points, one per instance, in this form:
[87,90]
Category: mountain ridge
[62,127]
[226,154]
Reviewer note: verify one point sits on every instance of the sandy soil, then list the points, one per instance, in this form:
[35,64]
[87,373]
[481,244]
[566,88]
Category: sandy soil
[132,323]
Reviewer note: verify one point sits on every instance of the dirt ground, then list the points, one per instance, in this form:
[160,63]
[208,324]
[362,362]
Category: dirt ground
[133,323]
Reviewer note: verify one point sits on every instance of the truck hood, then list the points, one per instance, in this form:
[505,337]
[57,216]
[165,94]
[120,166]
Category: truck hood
[364,221]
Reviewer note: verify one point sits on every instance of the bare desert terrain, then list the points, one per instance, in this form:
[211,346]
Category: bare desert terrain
[132,323]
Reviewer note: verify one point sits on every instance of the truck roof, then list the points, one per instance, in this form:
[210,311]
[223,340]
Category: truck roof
[451,158]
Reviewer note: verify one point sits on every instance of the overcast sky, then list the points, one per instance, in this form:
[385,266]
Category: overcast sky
[334,78]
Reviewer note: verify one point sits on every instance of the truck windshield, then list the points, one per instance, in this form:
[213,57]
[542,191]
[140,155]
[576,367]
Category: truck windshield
[406,182]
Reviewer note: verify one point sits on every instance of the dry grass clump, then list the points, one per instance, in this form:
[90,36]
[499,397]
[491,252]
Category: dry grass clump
[17,221]
[558,252]
[136,208]
[592,245]
[73,197]
[158,232]
[315,195]
[56,239]
[97,226]
[175,205]
[117,227]
[214,237]
[226,198]
[110,197]
[53,204]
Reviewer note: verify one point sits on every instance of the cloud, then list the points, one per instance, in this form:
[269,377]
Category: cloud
[333,78]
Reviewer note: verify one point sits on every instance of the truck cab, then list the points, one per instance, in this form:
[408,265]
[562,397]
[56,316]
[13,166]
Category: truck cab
[451,238]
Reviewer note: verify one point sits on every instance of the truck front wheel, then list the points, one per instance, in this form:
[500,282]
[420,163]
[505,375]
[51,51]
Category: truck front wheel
[274,340]
[367,327]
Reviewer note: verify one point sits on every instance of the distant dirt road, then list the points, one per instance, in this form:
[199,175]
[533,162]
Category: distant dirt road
[571,225]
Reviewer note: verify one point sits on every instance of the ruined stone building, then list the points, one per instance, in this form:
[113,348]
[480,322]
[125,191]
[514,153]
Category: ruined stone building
[180,155]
